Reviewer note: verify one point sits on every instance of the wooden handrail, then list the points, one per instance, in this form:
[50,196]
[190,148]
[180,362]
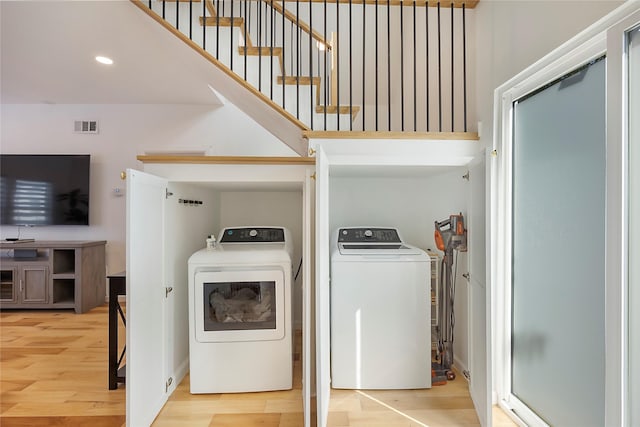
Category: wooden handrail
[211,8]
[302,25]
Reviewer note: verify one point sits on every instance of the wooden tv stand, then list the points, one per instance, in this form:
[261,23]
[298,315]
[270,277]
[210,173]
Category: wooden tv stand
[55,274]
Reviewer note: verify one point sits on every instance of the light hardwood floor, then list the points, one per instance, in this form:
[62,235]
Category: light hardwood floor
[53,372]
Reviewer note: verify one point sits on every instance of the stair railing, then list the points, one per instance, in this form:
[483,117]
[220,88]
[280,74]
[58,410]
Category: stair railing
[366,65]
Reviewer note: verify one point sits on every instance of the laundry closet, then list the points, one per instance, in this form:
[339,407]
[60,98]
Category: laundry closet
[380,186]
[401,184]
[172,208]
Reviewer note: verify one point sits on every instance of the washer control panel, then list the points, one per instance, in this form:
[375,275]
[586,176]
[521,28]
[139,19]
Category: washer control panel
[368,235]
[252,235]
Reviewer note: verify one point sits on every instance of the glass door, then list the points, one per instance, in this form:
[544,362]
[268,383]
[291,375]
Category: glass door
[557,352]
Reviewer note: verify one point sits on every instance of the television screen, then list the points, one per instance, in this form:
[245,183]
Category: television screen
[44,189]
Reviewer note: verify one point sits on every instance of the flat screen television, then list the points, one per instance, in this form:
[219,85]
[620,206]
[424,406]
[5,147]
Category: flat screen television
[44,189]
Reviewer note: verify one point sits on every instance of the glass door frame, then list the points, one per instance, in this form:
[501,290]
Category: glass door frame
[632,364]
[605,38]
[618,381]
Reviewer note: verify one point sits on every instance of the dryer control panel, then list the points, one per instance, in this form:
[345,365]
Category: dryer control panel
[253,235]
[368,235]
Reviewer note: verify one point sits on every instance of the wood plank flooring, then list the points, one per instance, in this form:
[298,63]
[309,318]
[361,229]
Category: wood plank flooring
[53,372]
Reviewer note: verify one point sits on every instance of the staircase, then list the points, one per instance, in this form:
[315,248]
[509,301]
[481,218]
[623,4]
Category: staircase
[285,66]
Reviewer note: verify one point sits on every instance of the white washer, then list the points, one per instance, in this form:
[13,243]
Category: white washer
[380,311]
[240,328]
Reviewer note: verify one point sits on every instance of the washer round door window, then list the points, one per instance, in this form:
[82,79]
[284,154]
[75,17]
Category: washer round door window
[239,305]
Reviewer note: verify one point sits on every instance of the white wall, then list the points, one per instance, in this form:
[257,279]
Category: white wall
[125,131]
[511,35]
[411,204]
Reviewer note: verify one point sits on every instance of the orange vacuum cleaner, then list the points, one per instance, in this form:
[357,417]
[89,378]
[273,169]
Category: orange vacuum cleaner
[450,237]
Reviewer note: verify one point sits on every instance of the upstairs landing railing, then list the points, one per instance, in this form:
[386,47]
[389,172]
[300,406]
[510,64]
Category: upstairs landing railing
[346,65]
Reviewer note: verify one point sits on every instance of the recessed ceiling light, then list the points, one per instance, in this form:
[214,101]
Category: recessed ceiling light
[104,60]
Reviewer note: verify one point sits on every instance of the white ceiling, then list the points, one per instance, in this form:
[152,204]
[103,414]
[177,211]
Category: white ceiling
[48,49]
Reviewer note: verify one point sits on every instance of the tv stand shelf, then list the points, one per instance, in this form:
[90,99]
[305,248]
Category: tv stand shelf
[55,274]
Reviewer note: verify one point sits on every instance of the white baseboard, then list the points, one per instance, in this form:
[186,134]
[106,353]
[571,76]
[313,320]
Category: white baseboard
[460,367]
[179,375]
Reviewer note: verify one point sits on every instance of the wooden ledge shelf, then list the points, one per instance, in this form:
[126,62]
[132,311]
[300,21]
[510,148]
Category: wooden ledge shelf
[229,160]
[447,136]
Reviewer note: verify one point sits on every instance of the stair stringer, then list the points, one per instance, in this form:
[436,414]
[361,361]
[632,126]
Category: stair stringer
[252,102]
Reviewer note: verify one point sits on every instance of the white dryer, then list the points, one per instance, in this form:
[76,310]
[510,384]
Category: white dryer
[380,311]
[240,327]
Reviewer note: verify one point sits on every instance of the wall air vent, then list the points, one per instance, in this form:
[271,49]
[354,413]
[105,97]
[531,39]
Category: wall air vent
[85,126]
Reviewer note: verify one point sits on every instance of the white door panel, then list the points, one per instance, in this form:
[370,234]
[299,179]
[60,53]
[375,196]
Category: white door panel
[323,373]
[308,272]
[146,347]
[479,305]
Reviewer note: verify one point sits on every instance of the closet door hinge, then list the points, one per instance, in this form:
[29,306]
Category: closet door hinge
[467,276]
[168,384]
[167,291]
[167,193]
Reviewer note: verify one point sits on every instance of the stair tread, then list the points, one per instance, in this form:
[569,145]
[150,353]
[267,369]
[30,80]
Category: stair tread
[262,50]
[223,21]
[303,80]
[342,109]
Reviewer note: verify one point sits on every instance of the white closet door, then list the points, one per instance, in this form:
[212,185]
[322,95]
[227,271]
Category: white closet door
[307,308]
[480,297]
[147,370]
[323,320]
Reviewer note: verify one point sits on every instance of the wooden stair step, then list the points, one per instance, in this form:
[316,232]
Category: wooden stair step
[260,51]
[212,21]
[302,80]
[342,109]
[224,21]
